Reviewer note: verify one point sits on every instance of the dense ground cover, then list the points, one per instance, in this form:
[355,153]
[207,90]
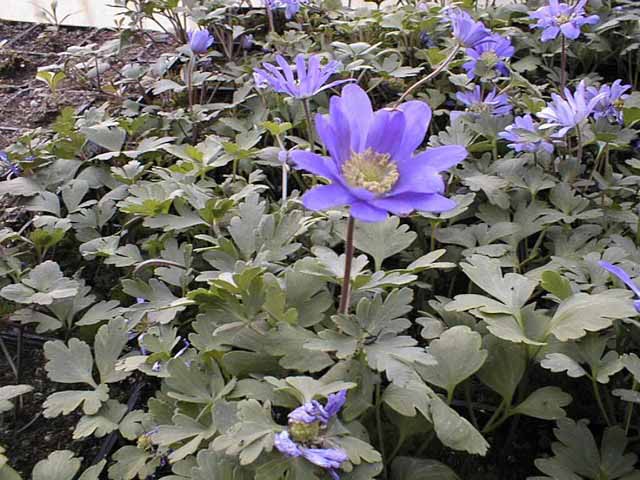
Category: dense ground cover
[307,241]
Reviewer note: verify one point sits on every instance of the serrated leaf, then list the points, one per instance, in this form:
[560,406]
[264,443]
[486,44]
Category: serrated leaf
[69,364]
[582,313]
[409,468]
[66,402]
[105,421]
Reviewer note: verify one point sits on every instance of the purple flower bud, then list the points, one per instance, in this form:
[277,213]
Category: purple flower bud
[200,41]
[247,41]
[625,278]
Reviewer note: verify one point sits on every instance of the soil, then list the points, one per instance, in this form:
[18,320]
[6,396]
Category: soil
[25,433]
[27,103]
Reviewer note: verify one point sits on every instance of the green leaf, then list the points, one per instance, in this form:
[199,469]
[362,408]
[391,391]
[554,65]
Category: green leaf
[43,285]
[458,353]
[133,462]
[66,402]
[59,465]
[184,428]
[409,468]
[455,431]
[109,343]
[69,364]
[105,421]
[545,403]
[577,455]
[582,313]
[504,367]
[556,284]
[252,435]
[367,236]
[9,392]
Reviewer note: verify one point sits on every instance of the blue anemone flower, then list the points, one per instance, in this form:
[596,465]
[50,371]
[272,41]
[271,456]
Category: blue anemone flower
[492,53]
[570,111]
[372,166]
[12,169]
[562,18]
[612,101]
[306,425]
[625,278]
[525,136]
[311,76]
[468,32]
[200,41]
[493,103]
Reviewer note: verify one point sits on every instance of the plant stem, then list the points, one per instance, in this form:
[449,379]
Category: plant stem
[596,393]
[629,414]
[379,428]
[494,417]
[439,69]
[467,398]
[579,147]
[190,68]
[270,19]
[563,66]
[346,282]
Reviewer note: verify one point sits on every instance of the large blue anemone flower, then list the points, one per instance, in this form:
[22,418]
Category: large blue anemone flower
[372,166]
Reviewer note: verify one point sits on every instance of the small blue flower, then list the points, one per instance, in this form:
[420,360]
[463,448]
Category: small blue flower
[570,111]
[426,40]
[492,53]
[612,102]
[311,76]
[306,424]
[562,18]
[525,136]
[468,32]
[247,41]
[200,41]
[493,103]
[625,278]
[12,169]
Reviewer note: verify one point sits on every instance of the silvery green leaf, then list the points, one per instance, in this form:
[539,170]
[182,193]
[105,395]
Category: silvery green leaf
[332,264]
[108,136]
[59,465]
[627,395]
[252,435]
[545,403]
[582,313]
[577,453]
[409,468]
[455,431]
[395,355]
[43,285]
[132,425]
[504,367]
[67,401]
[109,343]
[69,364]
[194,383]
[93,472]
[359,398]
[214,466]
[559,362]
[44,202]
[458,353]
[184,428]
[358,450]
[631,362]
[133,462]
[45,323]
[287,342]
[105,421]
[73,193]
[366,238]
[375,315]
[9,392]
[101,312]
[308,295]
[428,262]
[305,389]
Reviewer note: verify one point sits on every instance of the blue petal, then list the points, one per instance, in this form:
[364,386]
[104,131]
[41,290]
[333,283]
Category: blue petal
[365,212]
[326,196]
[622,275]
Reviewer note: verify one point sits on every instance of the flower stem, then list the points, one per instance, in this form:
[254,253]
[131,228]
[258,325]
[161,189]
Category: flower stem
[438,69]
[596,393]
[379,428]
[190,69]
[629,414]
[346,282]
[270,19]
[563,66]
[310,128]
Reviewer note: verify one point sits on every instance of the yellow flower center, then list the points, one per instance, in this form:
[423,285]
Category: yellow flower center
[489,57]
[562,19]
[371,170]
[618,104]
[304,432]
[480,107]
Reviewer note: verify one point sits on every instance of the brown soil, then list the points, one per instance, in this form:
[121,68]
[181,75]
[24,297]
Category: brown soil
[26,103]
[25,433]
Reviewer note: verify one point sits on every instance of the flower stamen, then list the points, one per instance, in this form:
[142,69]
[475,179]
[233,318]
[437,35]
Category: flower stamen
[372,171]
